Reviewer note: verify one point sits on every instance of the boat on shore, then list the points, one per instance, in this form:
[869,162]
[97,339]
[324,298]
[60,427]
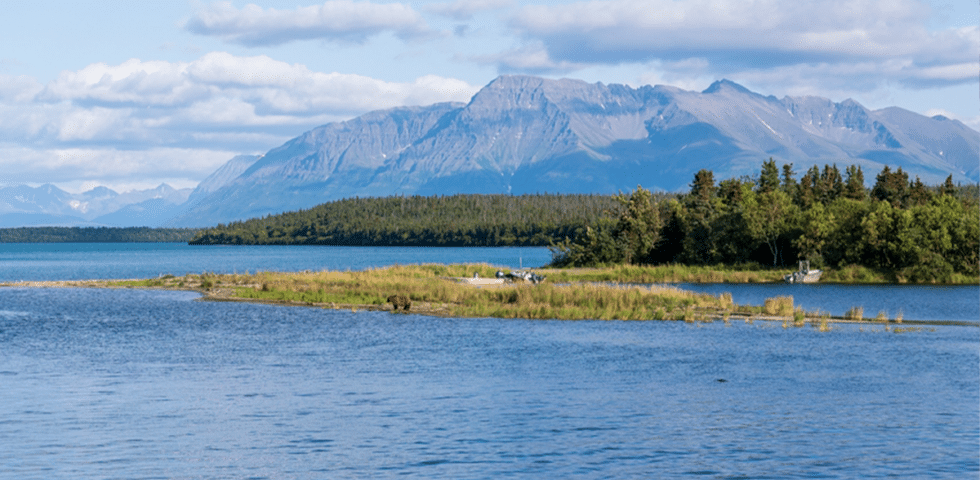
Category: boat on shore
[804,274]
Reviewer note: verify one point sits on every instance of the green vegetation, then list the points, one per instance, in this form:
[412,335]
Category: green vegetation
[96,235]
[437,290]
[738,230]
[457,220]
[855,313]
[779,306]
[432,290]
[900,231]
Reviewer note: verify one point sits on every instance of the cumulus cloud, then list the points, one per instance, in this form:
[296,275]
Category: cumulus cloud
[734,35]
[148,116]
[465,9]
[531,58]
[338,20]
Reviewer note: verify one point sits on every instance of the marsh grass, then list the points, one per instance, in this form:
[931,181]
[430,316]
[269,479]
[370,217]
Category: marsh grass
[799,317]
[749,273]
[779,306]
[429,287]
[855,313]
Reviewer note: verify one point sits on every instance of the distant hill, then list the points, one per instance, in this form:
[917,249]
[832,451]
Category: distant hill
[47,205]
[523,134]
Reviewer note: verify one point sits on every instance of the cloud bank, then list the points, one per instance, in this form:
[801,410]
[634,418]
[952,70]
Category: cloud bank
[733,36]
[157,119]
[336,20]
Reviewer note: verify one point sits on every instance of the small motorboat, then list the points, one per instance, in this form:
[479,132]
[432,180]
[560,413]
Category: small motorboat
[804,274]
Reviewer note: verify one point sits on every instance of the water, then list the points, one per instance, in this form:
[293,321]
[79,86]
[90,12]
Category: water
[81,261]
[913,302]
[147,384]
[142,384]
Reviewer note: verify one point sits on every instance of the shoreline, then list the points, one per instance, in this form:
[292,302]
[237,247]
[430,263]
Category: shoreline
[444,310]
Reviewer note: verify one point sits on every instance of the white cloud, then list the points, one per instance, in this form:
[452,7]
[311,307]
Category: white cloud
[532,58]
[764,35]
[465,9]
[146,119]
[121,170]
[339,20]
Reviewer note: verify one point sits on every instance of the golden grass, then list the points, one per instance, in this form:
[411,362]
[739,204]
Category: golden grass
[779,306]
[855,313]
[431,289]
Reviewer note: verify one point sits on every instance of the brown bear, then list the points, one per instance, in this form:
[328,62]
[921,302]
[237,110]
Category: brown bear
[399,301]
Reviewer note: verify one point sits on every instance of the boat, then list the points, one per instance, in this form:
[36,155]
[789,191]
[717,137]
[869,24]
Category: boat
[804,274]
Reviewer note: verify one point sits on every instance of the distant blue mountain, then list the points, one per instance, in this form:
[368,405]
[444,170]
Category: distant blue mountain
[47,205]
[523,134]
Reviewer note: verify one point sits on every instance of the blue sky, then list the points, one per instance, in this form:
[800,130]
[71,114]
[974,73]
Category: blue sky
[132,94]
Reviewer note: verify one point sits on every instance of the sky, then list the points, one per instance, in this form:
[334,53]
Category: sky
[130,95]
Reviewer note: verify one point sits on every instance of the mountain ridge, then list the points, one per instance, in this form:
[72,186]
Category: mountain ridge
[525,134]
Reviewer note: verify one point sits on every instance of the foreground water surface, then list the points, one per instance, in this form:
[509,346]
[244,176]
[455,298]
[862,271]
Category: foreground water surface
[142,384]
[151,384]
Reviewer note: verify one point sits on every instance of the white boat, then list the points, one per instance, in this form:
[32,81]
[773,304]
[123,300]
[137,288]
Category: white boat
[804,275]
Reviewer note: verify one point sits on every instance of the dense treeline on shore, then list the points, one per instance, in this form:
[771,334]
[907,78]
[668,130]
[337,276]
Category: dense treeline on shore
[912,231]
[456,220]
[96,235]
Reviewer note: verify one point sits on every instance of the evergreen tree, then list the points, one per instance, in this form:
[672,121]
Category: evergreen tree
[730,192]
[807,192]
[948,188]
[854,185]
[891,187]
[769,177]
[703,188]
[830,186]
[789,180]
[918,193]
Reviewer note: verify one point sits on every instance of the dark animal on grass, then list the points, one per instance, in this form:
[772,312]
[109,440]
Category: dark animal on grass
[400,301]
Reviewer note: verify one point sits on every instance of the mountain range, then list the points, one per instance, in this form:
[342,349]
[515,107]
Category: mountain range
[48,205]
[524,134]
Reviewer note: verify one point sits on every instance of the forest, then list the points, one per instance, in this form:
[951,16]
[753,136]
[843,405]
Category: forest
[456,220]
[828,217]
[917,232]
[95,235]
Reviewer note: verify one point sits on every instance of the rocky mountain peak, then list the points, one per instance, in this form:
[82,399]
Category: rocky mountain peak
[524,134]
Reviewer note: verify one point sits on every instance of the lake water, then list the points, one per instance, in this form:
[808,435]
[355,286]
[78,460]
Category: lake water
[80,261]
[151,384]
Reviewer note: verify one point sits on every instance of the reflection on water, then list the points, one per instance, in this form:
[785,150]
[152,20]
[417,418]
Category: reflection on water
[146,384]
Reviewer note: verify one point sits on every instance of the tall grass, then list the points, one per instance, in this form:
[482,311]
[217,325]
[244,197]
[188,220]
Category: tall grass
[779,306]
[430,289]
[855,313]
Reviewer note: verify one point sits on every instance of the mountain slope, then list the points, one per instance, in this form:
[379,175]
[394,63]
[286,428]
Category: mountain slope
[523,134]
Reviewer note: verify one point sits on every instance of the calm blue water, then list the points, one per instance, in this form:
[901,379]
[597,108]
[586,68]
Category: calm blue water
[150,384]
[80,261]
[914,302]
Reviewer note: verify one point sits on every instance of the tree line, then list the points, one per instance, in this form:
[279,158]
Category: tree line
[96,235]
[922,233]
[456,220]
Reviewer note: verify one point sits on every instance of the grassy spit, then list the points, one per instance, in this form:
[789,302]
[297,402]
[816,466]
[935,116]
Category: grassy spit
[432,291]
[575,295]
